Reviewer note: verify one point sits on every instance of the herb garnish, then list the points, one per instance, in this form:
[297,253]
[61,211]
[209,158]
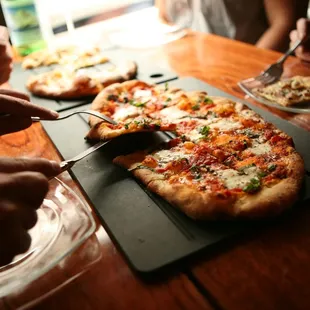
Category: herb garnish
[250,134]
[166,86]
[241,169]
[143,167]
[253,186]
[207,101]
[204,130]
[272,167]
[137,104]
[168,99]
[195,170]
[262,174]
[195,107]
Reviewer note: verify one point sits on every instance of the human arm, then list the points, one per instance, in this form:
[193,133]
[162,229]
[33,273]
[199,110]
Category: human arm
[23,186]
[23,182]
[301,32]
[281,17]
[5,55]
[16,111]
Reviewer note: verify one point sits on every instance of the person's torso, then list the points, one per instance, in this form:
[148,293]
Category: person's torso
[243,20]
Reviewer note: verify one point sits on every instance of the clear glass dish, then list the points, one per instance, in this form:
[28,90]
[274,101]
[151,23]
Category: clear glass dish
[64,223]
[248,85]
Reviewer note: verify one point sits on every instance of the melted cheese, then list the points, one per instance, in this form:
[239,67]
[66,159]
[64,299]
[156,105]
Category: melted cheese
[233,179]
[225,125]
[194,135]
[166,156]
[142,93]
[248,114]
[125,112]
[173,113]
[260,148]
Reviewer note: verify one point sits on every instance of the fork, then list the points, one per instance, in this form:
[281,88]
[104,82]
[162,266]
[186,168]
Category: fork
[89,112]
[274,71]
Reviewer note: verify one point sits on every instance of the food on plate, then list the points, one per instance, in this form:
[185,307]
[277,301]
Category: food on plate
[68,83]
[226,161]
[74,56]
[293,91]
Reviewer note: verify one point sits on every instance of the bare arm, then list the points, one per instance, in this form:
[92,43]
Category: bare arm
[162,10]
[281,18]
[301,32]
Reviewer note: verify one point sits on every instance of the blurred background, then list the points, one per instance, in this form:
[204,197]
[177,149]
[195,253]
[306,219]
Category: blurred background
[85,12]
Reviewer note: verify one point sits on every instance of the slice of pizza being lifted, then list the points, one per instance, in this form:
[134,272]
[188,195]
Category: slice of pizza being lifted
[131,105]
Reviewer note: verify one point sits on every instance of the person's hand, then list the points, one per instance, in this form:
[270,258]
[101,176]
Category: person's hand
[23,186]
[301,32]
[5,56]
[16,111]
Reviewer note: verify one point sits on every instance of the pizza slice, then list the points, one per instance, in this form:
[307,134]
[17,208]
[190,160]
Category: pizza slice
[68,83]
[295,90]
[77,57]
[131,104]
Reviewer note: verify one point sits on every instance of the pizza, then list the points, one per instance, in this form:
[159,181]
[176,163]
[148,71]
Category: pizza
[225,161]
[69,83]
[131,105]
[77,57]
[295,90]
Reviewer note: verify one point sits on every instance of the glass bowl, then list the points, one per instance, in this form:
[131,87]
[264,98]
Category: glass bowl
[64,223]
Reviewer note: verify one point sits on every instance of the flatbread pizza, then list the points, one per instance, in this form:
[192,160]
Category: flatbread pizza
[288,92]
[225,162]
[77,57]
[68,83]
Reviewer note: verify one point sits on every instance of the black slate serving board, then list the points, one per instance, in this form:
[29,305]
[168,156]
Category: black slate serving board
[150,232]
[150,69]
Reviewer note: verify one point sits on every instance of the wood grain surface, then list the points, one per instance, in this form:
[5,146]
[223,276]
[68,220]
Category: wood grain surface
[264,269]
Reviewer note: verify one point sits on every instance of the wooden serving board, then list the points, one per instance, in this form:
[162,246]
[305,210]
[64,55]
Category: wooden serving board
[151,233]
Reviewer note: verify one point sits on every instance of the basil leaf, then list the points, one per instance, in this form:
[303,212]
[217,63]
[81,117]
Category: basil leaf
[207,101]
[204,130]
[272,167]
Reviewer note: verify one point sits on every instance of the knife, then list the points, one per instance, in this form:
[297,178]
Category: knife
[67,164]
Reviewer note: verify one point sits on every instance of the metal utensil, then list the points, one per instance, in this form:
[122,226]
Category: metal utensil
[67,164]
[274,71]
[89,112]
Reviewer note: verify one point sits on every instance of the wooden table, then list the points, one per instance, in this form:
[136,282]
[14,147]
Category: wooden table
[268,269]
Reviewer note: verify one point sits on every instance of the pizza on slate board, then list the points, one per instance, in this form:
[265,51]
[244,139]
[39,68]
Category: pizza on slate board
[225,162]
[73,77]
